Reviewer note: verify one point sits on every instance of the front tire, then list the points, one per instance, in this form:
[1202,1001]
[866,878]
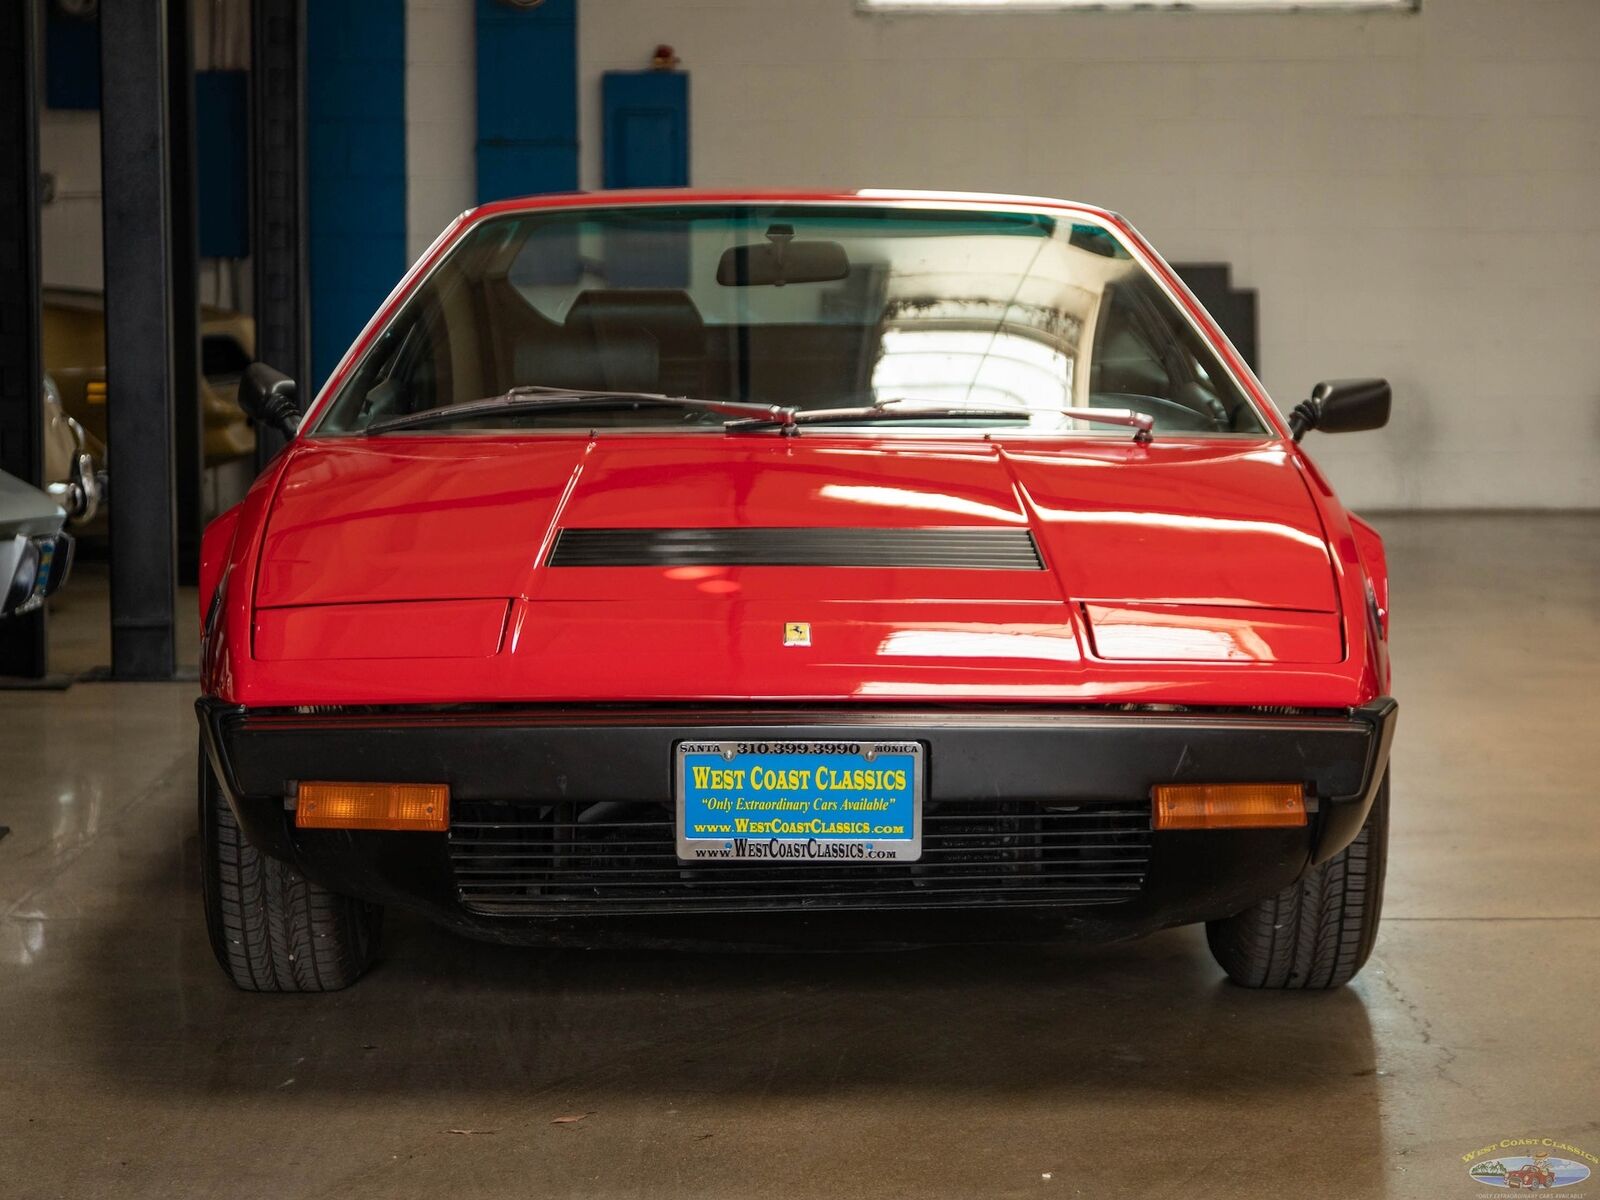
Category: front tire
[1317,932]
[272,929]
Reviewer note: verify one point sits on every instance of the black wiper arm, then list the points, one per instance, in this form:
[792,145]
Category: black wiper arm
[532,398]
[912,410]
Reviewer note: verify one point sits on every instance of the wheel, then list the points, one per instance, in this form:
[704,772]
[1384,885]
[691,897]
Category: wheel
[272,929]
[1317,932]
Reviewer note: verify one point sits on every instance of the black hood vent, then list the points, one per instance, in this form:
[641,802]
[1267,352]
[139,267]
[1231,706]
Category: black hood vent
[960,549]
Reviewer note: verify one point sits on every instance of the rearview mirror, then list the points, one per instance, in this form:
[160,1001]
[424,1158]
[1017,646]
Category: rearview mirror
[1342,406]
[270,397]
[782,260]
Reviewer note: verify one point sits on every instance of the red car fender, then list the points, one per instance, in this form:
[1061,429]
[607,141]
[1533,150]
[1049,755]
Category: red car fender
[1369,543]
[215,543]
[1356,547]
[231,548]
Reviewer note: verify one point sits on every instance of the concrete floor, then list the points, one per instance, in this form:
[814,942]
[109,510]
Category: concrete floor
[131,1067]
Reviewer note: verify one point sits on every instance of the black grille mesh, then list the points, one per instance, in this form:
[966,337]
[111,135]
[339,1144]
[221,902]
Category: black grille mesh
[971,549]
[620,857]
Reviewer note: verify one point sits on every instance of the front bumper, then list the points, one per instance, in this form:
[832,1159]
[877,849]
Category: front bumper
[566,810]
[32,569]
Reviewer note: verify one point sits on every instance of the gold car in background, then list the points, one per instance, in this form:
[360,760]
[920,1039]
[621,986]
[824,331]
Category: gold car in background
[74,348]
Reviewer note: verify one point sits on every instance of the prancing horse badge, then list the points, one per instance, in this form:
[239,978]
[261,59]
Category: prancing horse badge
[797,633]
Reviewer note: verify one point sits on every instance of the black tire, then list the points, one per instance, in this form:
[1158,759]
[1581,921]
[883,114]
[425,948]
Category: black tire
[272,929]
[1316,933]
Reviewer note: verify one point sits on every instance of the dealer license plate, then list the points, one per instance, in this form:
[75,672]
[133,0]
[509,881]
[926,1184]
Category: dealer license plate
[800,802]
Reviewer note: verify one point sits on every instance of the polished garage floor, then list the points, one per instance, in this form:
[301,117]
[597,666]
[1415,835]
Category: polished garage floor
[129,1066]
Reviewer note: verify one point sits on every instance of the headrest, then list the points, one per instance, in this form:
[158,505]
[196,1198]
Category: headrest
[668,313]
[621,360]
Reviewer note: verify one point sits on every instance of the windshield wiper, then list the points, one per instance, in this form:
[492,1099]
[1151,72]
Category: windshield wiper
[532,398]
[749,416]
[913,410]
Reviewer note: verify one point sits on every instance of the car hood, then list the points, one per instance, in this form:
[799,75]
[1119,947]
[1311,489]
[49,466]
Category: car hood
[1218,523]
[441,548]
[25,511]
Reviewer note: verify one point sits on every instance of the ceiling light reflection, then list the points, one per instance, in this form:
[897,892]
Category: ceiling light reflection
[1047,643]
[893,497]
[1183,521]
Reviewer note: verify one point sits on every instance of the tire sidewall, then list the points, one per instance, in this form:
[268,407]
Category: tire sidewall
[211,805]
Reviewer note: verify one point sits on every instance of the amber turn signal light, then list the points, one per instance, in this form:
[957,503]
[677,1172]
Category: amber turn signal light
[414,806]
[1227,805]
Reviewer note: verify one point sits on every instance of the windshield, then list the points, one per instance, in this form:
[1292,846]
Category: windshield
[814,306]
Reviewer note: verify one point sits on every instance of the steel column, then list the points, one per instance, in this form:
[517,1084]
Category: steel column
[189,434]
[279,236]
[22,639]
[135,96]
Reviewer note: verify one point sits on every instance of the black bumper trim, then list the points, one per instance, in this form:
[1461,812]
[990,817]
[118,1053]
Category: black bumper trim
[574,753]
[578,756]
[1345,814]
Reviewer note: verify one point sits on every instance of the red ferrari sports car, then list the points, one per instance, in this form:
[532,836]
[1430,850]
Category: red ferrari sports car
[673,552]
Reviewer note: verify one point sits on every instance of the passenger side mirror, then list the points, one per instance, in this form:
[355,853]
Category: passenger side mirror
[269,397]
[1342,406]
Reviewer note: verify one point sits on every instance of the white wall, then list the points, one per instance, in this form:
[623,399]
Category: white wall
[1414,195]
[70,229]
[70,224]
[441,117]
[441,124]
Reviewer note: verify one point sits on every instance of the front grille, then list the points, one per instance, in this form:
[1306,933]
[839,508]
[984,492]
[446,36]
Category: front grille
[967,549]
[616,857]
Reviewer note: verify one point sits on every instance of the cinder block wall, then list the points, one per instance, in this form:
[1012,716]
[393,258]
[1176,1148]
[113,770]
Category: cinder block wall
[1415,195]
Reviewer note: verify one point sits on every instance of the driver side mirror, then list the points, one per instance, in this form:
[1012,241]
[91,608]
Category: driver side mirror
[270,397]
[1342,406]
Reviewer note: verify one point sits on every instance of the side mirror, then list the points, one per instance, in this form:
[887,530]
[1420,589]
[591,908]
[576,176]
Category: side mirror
[1342,406]
[269,397]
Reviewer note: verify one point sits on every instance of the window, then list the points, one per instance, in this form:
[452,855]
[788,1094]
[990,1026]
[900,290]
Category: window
[804,305]
[1200,5]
